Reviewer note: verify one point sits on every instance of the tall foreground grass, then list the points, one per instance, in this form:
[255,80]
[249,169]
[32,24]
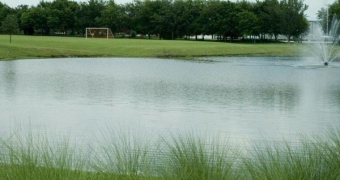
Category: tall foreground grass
[121,155]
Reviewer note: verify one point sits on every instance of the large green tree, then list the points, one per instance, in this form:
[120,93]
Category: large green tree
[62,16]
[327,15]
[208,17]
[147,17]
[293,20]
[323,15]
[10,25]
[164,20]
[4,11]
[129,14]
[227,20]
[19,10]
[194,10]
[37,18]
[269,14]
[88,13]
[248,23]
[180,23]
[111,17]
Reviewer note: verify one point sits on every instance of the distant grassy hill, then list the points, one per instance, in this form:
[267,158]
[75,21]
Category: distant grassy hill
[24,47]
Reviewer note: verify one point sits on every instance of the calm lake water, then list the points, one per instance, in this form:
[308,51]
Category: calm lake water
[247,99]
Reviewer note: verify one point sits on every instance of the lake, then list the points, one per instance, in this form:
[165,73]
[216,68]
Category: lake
[246,99]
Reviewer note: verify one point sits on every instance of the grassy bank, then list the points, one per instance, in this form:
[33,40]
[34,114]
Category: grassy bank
[118,155]
[24,47]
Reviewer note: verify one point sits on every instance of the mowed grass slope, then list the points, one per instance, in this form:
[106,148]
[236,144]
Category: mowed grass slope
[23,47]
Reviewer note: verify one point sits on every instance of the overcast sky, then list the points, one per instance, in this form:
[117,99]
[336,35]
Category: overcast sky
[314,5]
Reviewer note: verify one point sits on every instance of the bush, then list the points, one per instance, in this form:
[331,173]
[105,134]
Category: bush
[133,34]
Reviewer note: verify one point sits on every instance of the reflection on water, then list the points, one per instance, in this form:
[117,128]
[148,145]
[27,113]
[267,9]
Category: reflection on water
[245,98]
[9,78]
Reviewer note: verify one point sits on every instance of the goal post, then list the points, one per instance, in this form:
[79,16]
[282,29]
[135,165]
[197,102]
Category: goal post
[99,33]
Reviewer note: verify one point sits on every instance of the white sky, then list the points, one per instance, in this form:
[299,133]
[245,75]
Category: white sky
[314,5]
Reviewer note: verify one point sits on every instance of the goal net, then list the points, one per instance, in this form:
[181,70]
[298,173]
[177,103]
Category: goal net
[99,33]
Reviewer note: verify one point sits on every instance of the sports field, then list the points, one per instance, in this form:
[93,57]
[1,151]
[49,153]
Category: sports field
[27,47]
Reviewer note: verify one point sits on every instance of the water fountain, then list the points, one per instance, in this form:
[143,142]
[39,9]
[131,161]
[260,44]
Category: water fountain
[325,45]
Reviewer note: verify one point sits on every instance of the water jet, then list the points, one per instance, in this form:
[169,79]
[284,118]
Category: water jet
[324,43]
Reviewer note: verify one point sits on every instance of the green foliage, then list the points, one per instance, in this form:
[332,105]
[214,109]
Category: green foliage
[20,10]
[133,33]
[37,18]
[270,14]
[248,23]
[62,15]
[10,24]
[4,11]
[110,17]
[327,14]
[88,14]
[292,19]
[165,19]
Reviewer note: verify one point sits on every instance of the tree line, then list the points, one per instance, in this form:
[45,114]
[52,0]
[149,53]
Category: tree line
[168,19]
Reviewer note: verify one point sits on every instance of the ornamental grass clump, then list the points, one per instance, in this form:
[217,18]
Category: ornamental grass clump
[34,156]
[192,157]
[311,158]
[124,154]
[328,148]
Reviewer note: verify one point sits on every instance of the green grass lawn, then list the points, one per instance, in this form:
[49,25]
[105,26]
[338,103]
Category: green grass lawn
[26,47]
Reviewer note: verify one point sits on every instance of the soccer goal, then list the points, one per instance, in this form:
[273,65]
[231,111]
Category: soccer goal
[99,33]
